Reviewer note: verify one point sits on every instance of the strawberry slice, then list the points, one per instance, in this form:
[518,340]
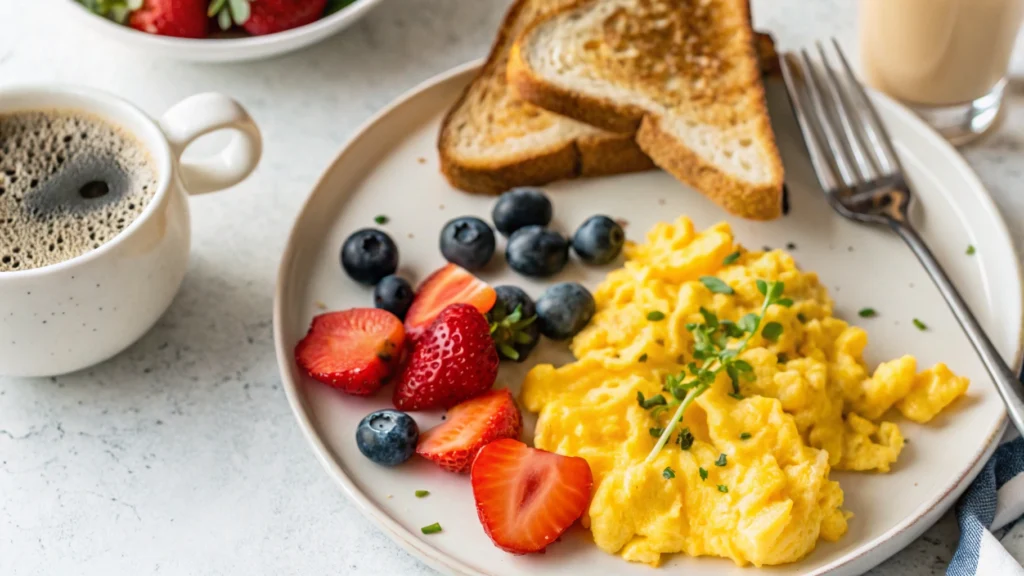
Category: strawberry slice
[354,350]
[471,426]
[454,360]
[448,285]
[525,497]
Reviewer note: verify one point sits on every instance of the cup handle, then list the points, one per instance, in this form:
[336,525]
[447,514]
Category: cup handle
[202,114]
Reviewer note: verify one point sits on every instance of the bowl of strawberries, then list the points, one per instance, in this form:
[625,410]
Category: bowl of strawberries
[219,30]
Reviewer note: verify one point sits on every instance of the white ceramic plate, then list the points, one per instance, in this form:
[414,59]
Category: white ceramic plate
[390,167]
[222,49]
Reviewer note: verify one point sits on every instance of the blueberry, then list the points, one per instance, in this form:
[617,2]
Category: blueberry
[514,334]
[468,242]
[387,437]
[521,207]
[598,240]
[393,294]
[564,309]
[369,255]
[536,251]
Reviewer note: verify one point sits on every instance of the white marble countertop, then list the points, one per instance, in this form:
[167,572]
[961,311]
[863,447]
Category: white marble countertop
[181,456]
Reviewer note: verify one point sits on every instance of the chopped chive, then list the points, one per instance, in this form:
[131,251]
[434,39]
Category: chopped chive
[703,473]
[381,219]
[920,325]
[716,285]
[970,250]
[867,313]
[723,488]
[422,493]
[642,358]
[721,460]
[432,529]
[655,315]
[731,258]
[668,473]
[744,435]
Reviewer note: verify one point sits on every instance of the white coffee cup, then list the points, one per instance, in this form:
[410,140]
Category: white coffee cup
[68,316]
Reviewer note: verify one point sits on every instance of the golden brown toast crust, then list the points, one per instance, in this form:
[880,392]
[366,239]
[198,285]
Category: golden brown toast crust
[754,202]
[601,154]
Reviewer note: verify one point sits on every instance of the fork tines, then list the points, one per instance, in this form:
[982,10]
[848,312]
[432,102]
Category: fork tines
[849,147]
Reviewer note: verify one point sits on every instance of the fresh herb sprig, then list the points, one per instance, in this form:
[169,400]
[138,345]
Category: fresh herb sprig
[711,349]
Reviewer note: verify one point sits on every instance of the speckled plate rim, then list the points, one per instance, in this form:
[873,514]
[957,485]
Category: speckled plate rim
[861,559]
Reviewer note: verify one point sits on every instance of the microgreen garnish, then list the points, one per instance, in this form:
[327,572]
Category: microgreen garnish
[867,313]
[731,258]
[771,331]
[744,435]
[656,432]
[510,329]
[648,403]
[642,358]
[432,529]
[381,219]
[723,488]
[668,473]
[711,349]
[655,315]
[721,460]
[716,285]
[970,250]
[703,473]
[920,325]
[685,439]
[422,493]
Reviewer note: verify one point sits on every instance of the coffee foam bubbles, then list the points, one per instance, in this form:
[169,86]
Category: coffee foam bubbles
[69,182]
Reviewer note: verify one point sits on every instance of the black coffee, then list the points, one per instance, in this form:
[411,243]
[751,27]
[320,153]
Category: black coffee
[69,182]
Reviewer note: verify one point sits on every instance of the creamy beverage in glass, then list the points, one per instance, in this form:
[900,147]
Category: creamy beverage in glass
[945,59]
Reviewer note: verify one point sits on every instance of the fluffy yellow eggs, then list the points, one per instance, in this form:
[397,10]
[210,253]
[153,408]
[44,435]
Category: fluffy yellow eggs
[754,485]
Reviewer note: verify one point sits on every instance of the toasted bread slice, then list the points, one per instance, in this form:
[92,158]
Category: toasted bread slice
[682,74]
[491,140]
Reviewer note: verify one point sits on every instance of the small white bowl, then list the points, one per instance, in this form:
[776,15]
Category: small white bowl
[223,49]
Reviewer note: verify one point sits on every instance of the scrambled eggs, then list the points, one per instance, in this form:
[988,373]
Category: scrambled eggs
[754,485]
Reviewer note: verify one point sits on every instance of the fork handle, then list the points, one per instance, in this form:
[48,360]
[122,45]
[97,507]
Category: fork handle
[1007,384]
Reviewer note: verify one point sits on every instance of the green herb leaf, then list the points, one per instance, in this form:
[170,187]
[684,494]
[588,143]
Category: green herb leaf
[685,439]
[736,395]
[749,323]
[422,493]
[742,365]
[970,250]
[730,329]
[432,529]
[703,473]
[723,488]
[655,315]
[381,219]
[762,287]
[775,290]
[744,435]
[656,432]
[668,473]
[867,313]
[731,258]
[734,376]
[771,331]
[716,285]
[642,358]
[786,302]
[710,320]
[920,325]
[648,403]
[508,351]
[721,460]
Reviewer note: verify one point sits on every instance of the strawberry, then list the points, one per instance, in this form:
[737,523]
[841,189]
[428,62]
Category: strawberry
[454,360]
[446,286]
[262,17]
[471,426]
[182,18]
[354,350]
[525,497]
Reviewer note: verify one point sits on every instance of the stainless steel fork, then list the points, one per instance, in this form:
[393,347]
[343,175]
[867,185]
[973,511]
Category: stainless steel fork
[856,164]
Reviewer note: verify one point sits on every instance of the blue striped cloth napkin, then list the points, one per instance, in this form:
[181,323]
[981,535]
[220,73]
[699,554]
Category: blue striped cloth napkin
[994,501]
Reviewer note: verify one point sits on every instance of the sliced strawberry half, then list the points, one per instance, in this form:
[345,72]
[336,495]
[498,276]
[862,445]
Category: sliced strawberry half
[449,285]
[469,427]
[354,350]
[525,497]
